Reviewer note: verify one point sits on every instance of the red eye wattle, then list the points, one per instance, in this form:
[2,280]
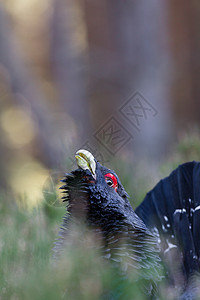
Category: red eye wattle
[111,180]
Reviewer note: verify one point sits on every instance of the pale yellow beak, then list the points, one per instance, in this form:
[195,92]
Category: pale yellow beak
[85,160]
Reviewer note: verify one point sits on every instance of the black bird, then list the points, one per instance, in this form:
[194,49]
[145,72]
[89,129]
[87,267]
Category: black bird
[165,225]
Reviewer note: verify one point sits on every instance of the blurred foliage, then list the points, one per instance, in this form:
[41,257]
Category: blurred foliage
[28,270]
[186,149]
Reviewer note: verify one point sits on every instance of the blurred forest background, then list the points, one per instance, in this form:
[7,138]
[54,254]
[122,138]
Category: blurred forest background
[67,67]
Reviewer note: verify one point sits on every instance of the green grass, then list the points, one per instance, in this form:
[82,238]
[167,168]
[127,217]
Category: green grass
[26,240]
[28,270]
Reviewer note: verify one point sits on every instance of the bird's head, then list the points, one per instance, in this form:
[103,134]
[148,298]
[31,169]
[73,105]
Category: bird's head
[96,188]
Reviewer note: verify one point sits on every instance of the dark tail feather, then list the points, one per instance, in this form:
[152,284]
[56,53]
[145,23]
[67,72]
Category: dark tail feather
[172,211]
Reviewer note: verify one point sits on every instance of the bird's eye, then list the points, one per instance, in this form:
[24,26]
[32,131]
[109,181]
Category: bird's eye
[111,180]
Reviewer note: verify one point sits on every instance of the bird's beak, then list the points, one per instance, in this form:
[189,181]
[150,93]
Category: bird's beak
[85,160]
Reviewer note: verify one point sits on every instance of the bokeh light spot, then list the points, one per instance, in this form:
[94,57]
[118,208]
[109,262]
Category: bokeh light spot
[27,182]
[18,126]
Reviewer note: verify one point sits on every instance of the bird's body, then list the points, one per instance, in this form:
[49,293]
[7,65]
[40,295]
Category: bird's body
[164,226]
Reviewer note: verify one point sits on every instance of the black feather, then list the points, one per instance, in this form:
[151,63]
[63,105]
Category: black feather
[172,209]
